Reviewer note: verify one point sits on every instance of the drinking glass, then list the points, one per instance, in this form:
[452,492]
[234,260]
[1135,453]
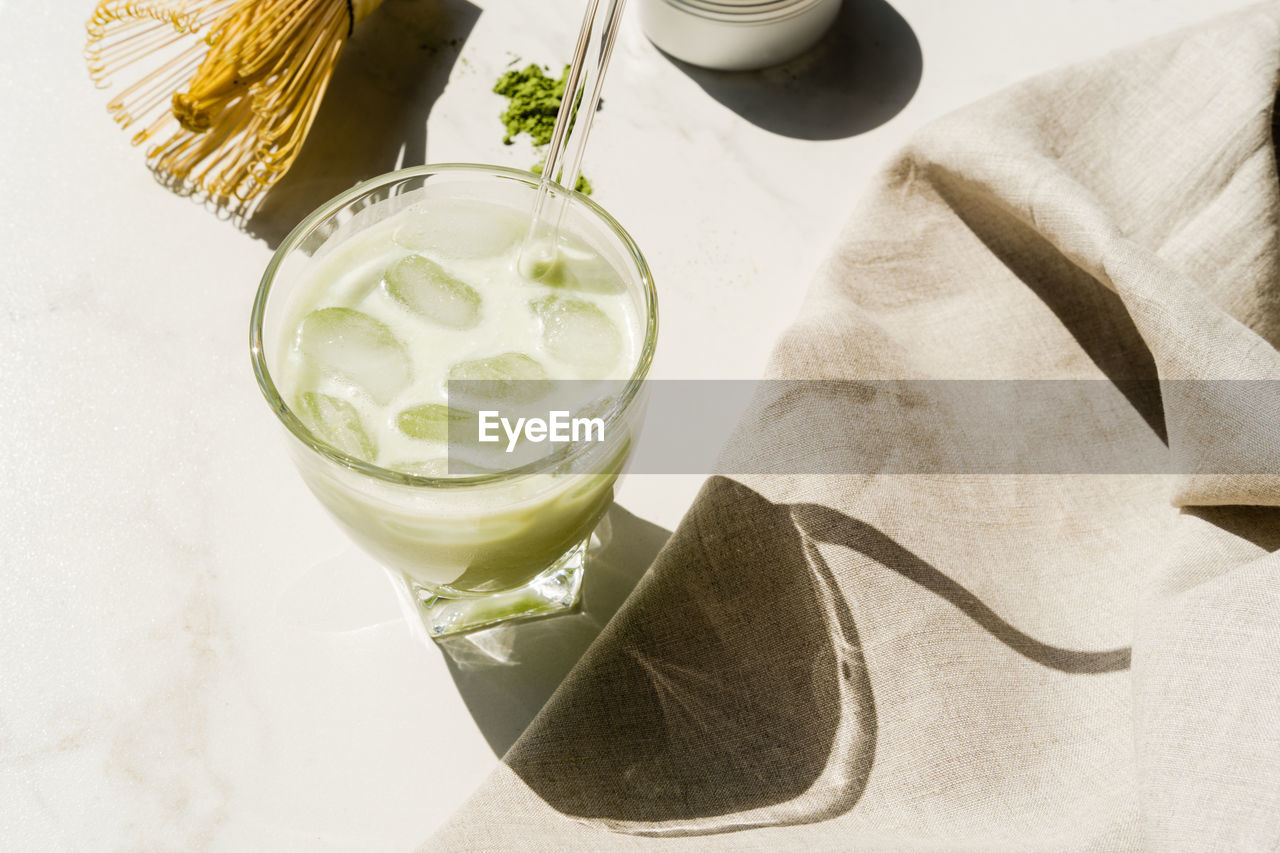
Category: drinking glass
[483,548]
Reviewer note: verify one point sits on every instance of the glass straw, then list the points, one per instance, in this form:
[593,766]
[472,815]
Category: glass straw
[578,106]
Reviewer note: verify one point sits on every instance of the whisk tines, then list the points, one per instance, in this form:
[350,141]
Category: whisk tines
[224,91]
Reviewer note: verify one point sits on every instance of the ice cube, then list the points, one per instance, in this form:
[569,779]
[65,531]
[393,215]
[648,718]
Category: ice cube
[431,421]
[513,376]
[579,333]
[460,229]
[355,347]
[336,422]
[424,287]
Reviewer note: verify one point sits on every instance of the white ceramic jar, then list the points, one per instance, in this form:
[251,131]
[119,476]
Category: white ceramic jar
[736,35]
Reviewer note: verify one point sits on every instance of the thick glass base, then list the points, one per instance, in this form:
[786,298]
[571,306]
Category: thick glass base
[557,590]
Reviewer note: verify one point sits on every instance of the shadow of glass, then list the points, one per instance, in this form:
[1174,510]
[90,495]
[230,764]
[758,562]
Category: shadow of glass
[862,73]
[730,693]
[373,118]
[824,524]
[506,674]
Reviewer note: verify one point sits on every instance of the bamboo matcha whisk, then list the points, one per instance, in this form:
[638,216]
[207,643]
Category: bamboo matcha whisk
[225,90]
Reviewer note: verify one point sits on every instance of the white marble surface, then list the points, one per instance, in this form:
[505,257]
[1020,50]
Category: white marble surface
[192,657]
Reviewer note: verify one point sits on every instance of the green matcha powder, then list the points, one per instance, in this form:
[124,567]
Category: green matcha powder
[533,100]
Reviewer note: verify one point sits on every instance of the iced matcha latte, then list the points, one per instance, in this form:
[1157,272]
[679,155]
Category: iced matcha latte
[393,331]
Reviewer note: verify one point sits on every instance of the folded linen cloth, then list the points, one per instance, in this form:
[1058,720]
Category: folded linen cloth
[978,662]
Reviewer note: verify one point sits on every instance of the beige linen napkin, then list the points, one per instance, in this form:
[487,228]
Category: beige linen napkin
[978,662]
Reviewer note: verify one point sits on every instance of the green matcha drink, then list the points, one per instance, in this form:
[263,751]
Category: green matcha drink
[405,292]
[432,295]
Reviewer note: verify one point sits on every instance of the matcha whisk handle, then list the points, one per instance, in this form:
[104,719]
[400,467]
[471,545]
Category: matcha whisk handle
[563,165]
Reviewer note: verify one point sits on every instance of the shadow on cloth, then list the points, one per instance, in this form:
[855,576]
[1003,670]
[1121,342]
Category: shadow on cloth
[1094,315]
[827,525]
[506,674]
[732,692]
[1257,524]
[861,74]
[373,118]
